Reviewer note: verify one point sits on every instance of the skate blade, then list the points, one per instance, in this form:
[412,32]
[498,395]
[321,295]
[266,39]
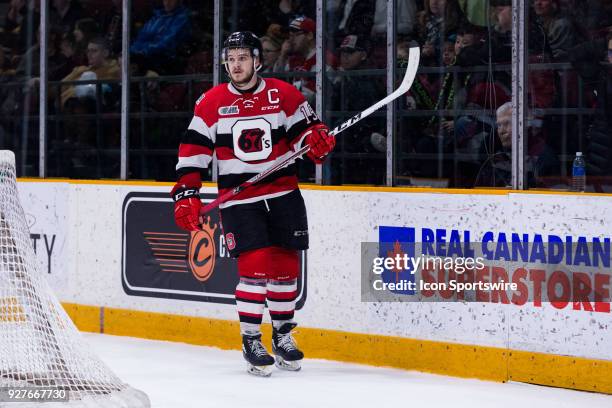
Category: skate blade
[259,371]
[287,365]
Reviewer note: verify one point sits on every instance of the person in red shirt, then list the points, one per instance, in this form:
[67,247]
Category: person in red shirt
[298,54]
[251,123]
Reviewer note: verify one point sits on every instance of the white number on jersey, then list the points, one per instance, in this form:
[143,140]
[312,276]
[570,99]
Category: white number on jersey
[309,113]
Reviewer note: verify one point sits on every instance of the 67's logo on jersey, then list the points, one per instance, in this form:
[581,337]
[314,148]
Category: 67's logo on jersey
[252,139]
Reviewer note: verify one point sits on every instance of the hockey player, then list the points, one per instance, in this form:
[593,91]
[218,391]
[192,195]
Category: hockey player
[252,122]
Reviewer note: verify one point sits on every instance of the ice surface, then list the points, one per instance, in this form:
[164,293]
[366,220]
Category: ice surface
[176,375]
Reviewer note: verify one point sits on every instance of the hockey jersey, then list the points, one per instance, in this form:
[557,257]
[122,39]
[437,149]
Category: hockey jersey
[248,132]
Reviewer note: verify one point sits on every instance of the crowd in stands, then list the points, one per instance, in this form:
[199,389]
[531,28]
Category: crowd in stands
[449,123]
[467,46]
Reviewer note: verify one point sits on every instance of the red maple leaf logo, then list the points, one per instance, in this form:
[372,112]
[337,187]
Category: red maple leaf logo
[397,250]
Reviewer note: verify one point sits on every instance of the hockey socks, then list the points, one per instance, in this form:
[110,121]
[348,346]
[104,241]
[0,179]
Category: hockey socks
[281,295]
[250,302]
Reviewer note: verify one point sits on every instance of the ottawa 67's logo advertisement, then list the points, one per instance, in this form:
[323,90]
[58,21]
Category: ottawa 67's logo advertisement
[160,260]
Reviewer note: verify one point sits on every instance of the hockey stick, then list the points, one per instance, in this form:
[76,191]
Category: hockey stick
[413,65]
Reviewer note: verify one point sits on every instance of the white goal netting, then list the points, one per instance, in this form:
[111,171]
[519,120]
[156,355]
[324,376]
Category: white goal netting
[40,348]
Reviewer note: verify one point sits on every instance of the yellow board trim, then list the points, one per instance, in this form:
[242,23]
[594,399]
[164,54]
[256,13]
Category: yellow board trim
[458,360]
[356,188]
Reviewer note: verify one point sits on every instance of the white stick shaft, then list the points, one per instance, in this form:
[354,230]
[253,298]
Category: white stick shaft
[413,65]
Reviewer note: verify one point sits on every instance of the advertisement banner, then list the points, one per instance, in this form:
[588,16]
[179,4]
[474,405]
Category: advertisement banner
[161,260]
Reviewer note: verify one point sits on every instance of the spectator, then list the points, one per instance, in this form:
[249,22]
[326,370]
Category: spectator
[406,21]
[476,11]
[496,171]
[271,51]
[354,93]
[157,42]
[593,62]
[439,20]
[433,92]
[65,14]
[448,53]
[498,45]
[100,64]
[560,33]
[597,17]
[84,30]
[68,50]
[474,91]
[355,17]
[289,9]
[405,13]
[111,25]
[298,53]
[468,36]
[10,96]
[5,69]
[58,65]
[22,20]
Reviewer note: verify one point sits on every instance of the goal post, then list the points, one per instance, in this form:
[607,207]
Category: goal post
[40,348]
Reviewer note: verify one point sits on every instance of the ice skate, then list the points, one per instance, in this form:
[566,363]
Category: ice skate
[286,354]
[259,362]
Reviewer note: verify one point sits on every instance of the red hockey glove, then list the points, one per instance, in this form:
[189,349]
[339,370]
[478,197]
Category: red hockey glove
[321,143]
[187,203]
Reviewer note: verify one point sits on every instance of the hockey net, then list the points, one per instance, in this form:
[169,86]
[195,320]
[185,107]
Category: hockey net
[40,348]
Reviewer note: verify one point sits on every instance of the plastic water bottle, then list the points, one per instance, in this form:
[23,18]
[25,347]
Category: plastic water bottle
[578,173]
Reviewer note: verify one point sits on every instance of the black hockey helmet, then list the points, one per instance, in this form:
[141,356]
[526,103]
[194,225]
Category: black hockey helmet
[243,39]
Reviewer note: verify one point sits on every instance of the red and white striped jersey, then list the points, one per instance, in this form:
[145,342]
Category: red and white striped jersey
[248,132]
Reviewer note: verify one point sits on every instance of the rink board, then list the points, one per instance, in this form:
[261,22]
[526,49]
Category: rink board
[539,344]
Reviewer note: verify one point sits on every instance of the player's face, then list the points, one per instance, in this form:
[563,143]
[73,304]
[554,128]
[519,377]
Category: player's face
[240,65]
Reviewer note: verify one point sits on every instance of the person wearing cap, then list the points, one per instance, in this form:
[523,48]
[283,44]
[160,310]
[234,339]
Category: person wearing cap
[355,92]
[298,53]
[354,53]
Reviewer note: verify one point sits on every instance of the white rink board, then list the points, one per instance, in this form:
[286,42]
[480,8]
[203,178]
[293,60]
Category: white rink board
[339,221]
[46,207]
